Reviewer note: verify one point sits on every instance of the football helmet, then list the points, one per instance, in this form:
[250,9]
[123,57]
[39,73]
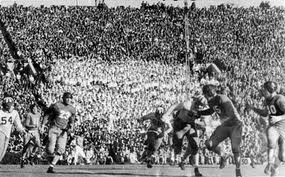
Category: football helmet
[270,86]
[7,103]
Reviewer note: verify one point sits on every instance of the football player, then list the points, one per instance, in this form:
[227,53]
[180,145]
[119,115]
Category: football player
[32,139]
[231,125]
[61,117]
[155,134]
[183,120]
[275,109]
[8,118]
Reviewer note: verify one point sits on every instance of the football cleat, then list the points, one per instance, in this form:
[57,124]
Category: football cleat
[181,165]
[50,170]
[223,162]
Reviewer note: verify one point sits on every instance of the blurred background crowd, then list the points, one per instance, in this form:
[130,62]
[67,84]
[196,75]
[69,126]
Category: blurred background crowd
[121,63]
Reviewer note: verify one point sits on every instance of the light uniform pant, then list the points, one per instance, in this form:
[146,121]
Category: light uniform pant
[57,140]
[276,138]
[4,140]
[34,136]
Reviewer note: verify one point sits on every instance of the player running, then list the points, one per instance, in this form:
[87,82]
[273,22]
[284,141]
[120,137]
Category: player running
[32,140]
[155,134]
[8,118]
[61,117]
[183,120]
[275,109]
[231,125]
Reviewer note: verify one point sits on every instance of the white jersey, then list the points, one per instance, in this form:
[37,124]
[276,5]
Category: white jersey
[7,120]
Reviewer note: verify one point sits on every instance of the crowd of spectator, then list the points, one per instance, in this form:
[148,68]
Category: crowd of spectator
[120,63]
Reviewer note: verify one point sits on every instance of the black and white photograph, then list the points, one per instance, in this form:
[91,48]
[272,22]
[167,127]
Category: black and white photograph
[142,88]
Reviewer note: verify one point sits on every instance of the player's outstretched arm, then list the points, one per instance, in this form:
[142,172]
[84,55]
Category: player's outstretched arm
[173,108]
[17,123]
[205,112]
[261,112]
[47,116]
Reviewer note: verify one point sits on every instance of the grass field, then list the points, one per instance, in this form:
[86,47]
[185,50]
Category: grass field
[128,171]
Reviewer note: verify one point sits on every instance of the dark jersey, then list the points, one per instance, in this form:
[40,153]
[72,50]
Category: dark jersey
[276,105]
[155,121]
[184,115]
[62,114]
[182,118]
[224,108]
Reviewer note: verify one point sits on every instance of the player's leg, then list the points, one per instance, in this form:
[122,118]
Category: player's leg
[219,135]
[178,148]
[26,143]
[149,143]
[191,149]
[61,144]
[195,155]
[236,137]
[281,142]
[177,144]
[272,136]
[35,151]
[52,139]
[52,142]
[37,142]
[281,155]
[154,144]
[171,149]
[157,143]
[4,145]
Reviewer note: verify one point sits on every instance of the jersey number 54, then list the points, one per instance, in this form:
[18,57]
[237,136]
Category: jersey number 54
[5,120]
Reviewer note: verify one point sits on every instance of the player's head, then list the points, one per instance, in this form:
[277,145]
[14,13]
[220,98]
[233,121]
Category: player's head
[268,89]
[67,96]
[159,111]
[8,104]
[209,91]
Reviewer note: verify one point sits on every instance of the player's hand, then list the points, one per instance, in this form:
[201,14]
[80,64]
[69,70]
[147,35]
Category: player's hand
[272,120]
[275,119]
